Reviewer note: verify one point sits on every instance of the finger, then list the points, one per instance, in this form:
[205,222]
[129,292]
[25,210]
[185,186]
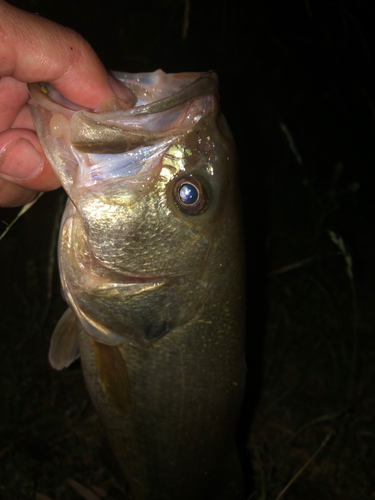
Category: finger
[13,96]
[45,51]
[24,119]
[23,162]
[13,195]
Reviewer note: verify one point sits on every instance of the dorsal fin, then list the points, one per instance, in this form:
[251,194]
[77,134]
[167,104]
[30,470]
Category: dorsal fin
[113,375]
[64,348]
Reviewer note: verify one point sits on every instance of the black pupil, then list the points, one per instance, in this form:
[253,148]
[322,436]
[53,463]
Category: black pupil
[188,194]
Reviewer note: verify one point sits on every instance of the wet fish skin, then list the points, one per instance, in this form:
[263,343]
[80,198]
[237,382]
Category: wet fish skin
[157,292]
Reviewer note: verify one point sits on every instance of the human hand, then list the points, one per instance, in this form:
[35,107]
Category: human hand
[34,49]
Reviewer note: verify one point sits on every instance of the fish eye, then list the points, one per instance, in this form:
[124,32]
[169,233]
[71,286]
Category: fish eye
[191,195]
[188,194]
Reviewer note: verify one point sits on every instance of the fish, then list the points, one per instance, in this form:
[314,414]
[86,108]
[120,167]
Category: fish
[151,259]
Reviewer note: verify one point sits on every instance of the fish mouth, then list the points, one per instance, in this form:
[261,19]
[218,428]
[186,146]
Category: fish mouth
[120,130]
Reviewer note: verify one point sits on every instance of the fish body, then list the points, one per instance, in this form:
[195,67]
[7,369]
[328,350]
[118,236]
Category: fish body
[152,266]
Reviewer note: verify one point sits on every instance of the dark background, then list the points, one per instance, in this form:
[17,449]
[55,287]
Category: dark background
[297,88]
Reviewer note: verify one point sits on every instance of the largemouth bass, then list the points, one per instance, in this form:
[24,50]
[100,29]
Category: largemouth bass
[152,267]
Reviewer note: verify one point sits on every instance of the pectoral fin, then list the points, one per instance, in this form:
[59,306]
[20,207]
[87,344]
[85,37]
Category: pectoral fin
[113,375]
[64,348]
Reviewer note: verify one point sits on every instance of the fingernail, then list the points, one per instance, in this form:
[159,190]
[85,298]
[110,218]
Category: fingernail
[20,160]
[122,92]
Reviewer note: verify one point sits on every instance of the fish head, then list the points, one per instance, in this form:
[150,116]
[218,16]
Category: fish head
[151,190]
